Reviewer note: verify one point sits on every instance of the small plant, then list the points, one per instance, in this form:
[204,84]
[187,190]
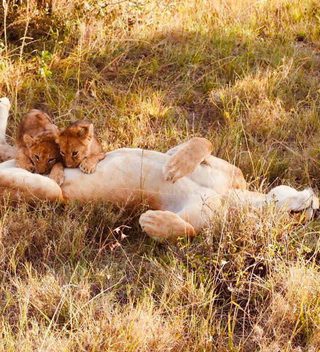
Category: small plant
[45,60]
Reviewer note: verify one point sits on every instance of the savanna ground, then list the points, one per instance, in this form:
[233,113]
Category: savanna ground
[150,74]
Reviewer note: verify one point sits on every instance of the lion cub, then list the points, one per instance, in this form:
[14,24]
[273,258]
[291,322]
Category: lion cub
[79,146]
[37,150]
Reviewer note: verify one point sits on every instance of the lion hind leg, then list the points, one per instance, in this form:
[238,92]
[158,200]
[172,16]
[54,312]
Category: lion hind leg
[186,157]
[165,225]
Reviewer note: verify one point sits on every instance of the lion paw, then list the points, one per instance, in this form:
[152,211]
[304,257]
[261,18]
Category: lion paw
[162,225]
[57,176]
[177,168]
[88,166]
[186,158]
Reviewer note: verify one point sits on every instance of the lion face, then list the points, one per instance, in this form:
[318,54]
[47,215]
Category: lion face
[43,151]
[75,142]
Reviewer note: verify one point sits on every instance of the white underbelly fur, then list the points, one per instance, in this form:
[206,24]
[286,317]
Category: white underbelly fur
[132,175]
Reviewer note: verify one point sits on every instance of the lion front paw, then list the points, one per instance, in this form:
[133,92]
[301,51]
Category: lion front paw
[186,158]
[177,168]
[57,175]
[88,166]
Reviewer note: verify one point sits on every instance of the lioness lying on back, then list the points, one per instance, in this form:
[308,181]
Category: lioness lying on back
[37,149]
[79,146]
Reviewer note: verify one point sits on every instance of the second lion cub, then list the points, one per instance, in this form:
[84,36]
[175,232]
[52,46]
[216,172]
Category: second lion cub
[79,147]
[37,150]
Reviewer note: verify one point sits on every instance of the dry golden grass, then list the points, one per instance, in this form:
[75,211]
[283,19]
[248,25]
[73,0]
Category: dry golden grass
[244,74]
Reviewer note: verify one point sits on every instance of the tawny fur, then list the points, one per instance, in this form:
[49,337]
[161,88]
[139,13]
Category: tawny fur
[79,147]
[37,150]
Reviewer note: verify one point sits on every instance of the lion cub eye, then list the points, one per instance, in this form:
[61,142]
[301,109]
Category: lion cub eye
[75,154]
[50,161]
[37,157]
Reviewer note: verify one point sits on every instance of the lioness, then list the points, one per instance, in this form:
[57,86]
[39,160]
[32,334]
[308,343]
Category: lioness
[37,150]
[79,147]
[184,188]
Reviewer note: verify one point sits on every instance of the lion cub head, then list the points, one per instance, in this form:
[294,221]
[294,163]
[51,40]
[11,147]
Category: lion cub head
[43,151]
[37,149]
[75,143]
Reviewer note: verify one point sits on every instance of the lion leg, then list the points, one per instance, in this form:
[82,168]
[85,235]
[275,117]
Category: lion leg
[285,198]
[186,157]
[4,114]
[232,172]
[21,183]
[165,225]
[238,198]
[6,151]
[57,173]
[289,199]
[194,215]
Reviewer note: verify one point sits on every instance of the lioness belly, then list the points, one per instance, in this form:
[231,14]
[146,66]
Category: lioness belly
[130,176]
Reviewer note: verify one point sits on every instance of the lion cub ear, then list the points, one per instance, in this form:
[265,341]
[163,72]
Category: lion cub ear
[85,131]
[28,140]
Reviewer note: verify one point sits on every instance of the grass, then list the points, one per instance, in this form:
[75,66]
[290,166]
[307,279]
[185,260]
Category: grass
[150,74]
